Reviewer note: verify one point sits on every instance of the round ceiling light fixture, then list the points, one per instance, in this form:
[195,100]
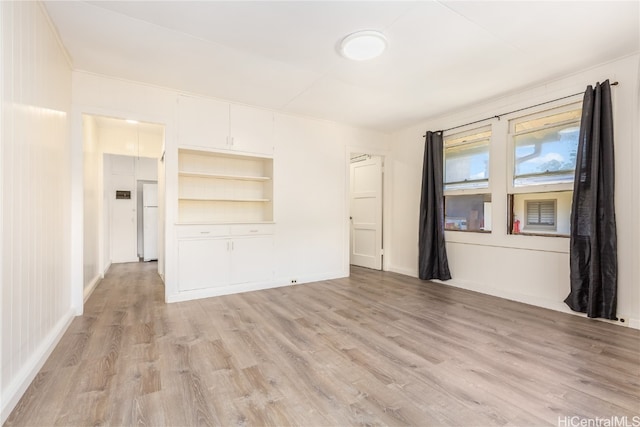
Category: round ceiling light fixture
[363,45]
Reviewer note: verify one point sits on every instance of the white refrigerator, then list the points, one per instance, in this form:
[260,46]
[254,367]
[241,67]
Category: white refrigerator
[150,221]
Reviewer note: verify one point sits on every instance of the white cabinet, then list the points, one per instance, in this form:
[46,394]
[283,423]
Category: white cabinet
[203,264]
[251,129]
[218,261]
[203,122]
[210,124]
[224,188]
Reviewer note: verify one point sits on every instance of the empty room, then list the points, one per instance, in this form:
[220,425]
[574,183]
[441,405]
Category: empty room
[320,213]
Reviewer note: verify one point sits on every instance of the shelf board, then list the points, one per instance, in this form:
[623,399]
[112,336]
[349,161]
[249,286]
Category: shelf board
[221,152]
[221,199]
[224,176]
[224,222]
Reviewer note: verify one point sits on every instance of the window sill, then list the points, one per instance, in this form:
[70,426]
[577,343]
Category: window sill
[540,234]
[469,231]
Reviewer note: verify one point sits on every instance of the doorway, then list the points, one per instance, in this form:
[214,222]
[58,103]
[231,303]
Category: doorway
[365,210]
[117,155]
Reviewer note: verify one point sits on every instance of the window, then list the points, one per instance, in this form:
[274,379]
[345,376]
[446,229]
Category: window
[545,147]
[547,214]
[468,212]
[543,154]
[466,160]
[466,181]
[541,213]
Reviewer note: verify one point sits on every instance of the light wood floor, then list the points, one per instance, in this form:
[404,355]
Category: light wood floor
[374,349]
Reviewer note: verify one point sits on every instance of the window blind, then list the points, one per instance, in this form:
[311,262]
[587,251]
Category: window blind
[541,212]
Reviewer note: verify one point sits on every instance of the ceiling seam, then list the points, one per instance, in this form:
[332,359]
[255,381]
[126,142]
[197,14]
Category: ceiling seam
[195,37]
[487,30]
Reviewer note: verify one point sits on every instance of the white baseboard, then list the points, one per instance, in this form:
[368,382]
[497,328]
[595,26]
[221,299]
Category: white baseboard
[405,271]
[88,290]
[222,290]
[15,389]
[535,301]
[249,287]
[106,268]
[634,323]
[629,322]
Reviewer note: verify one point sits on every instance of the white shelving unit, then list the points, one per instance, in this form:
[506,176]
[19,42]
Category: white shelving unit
[224,188]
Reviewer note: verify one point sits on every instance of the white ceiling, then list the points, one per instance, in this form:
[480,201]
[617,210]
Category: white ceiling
[442,55]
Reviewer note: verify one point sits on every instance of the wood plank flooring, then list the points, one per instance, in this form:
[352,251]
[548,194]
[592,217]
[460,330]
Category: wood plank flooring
[373,349]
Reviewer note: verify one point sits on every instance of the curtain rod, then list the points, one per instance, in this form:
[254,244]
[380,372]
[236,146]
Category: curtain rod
[511,112]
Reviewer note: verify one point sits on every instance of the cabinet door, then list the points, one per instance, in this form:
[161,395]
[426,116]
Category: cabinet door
[251,129]
[203,122]
[252,259]
[203,263]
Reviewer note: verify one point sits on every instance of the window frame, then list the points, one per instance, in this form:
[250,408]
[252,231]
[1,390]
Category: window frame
[511,146]
[469,130]
[462,134]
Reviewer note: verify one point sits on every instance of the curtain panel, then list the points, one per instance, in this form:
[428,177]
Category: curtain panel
[593,247]
[432,253]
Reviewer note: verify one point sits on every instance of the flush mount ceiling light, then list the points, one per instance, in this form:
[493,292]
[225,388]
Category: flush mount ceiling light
[363,45]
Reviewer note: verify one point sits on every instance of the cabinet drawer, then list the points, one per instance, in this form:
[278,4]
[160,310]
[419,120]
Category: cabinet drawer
[188,231]
[251,229]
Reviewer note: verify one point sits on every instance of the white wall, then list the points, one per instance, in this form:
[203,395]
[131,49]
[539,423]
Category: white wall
[92,203]
[530,269]
[310,207]
[310,176]
[36,99]
[308,201]
[128,141]
[161,217]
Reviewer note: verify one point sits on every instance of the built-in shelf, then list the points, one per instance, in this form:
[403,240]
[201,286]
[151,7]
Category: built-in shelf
[220,176]
[222,199]
[224,188]
[224,222]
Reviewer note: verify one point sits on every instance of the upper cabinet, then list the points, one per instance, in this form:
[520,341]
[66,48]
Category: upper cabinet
[203,122]
[251,129]
[216,125]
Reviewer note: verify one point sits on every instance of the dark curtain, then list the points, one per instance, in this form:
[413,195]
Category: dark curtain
[432,253]
[593,250]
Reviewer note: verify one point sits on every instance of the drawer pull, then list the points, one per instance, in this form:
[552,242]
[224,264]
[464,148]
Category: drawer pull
[205,232]
[253,231]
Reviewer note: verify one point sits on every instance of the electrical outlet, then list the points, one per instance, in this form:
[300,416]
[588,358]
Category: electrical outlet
[294,281]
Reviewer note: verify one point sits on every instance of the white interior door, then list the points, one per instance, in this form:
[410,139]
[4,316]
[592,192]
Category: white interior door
[122,212]
[366,213]
[124,225]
